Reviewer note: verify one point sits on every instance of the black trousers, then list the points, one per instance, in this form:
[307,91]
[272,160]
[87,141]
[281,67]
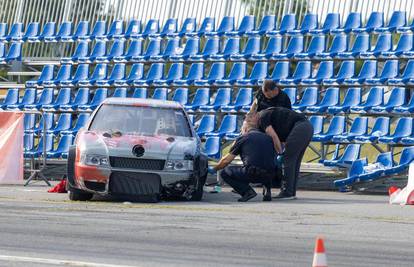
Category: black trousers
[296,144]
[238,177]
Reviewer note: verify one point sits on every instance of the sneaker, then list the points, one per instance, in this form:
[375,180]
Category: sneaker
[250,193]
[267,194]
[284,196]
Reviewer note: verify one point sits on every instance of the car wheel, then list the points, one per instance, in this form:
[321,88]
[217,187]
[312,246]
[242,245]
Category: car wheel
[79,195]
[198,193]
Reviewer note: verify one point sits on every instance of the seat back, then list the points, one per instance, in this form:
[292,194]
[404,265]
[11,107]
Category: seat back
[375,97]
[134,28]
[29,96]
[160,94]
[46,97]
[65,29]
[99,96]
[337,126]
[259,70]
[238,71]
[407,155]
[118,72]
[390,70]
[228,124]
[135,48]
[47,73]
[317,124]
[332,21]
[280,71]
[331,97]
[223,97]
[152,27]
[117,48]
[15,52]
[136,72]
[140,93]
[212,46]
[317,44]
[268,23]
[339,43]
[49,139]
[196,71]
[82,50]
[288,23]
[291,93]
[226,25]
[295,45]
[28,142]
[29,121]
[359,126]
[64,143]
[202,97]
[381,126]
[207,124]
[347,70]
[81,97]
[405,43]
[357,167]
[384,43]
[12,97]
[326,69]
[231,47]
[3,29]
[81,121]
[368,69]
[303,70]
[351,153]
[82,29]
[361,43]
[309,97]
[81,73]
[170,26]
[191,47]
[47,119]
[397,97]
[176,71]
[212,147]
[244,97]
[404,127]
[64,122]
[116,28]
[171,47]
[217,71]
[180,95]
[153,48]
[63,97]
[310,22]
[353,97]
[398,19]
[385,159]
[100,72]
[375,20]
[208,25]
[99,30]
[188,26]
[252,46]
[32,30]
[409,70]
[16,30]
[156,71]
[247,24]
[120,92]
[274,45]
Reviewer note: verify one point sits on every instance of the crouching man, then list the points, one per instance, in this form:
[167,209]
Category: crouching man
[257,153]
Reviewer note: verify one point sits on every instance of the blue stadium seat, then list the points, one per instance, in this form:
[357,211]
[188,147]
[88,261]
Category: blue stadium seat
[352,98]
[120,92]
[3,53]
[63,146]
[404,47]
[351,153]
[238,71]
[38,150]
[331,98]
[339,45]
[11,98]
[373,171]
[360,45]
[191,48]
[408,140]
[267,24]
[153,49]
[404,128]
[32,33]
[16,32]
[201,98]
[405,108]
[294,47]
[232,47]
[64,33]
[384,44]
[316,45]
[28,143]
[134,50]
[252,47]
[115,29]
[62,98]
[242,101]
[247,24]
[212,147]
[82,29]
[346,71]
[181,96]
[195,72]
[160,94]
[140,93]
[133,30]
[398,20]
[280,71]
[29,97]
[45,123]
[98,32]
[136,73]
[45,75]
[116,50]
[155,72]
[380,128]
[152,27]
[170,27]
[273,47]
[406,77]
[309,22]
[223,98]
[99,73]
[208,25]
[189,26]
[175,72]
[389,71]
[226,26]
[359,127]
[29,122]
[228,126]
[407,156]
[80,122]
[15,52]
[99,50]
[396,99]
[368,70]
[207,125]
[375,20]
[81,51]
[63,74]
[63,123]
[309,98]
[100,95]
[291,93]
[375,98]
[288,23]
[317,124]
[357,168]
[117,73]
[211,47]
[303,71]
[81,98]
[258,74]
[171,48]
[332,22]
[46,97]
[336,127]
[217,72]
[3,31]
[325,71]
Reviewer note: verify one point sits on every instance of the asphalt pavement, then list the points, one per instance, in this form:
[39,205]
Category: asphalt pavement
[44,229]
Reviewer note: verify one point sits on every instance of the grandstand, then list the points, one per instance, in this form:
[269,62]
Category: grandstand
[351,71]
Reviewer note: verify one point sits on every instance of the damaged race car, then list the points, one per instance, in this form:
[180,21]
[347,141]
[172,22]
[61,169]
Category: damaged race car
[137,149]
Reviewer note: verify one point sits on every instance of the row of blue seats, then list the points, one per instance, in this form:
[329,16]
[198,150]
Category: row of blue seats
[267,26]
[64,124]
[336,132]
[33,150]
[154,76]
[296,48]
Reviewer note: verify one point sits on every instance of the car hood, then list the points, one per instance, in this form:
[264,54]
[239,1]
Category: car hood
[156,147]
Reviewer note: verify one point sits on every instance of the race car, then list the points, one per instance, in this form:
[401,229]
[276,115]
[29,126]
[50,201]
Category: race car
[137,149]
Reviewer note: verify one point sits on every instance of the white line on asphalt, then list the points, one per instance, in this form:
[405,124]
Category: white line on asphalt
[57,262]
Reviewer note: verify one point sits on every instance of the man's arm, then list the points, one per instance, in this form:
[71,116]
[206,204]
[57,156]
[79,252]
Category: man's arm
[253,107]
[224,161]
[276,141]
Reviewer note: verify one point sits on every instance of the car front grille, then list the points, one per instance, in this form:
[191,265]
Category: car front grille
[132,163]
[129,183]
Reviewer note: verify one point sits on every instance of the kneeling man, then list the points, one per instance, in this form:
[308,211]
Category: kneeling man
[257,153]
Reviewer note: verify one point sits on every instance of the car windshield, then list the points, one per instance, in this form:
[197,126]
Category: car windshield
[148,121]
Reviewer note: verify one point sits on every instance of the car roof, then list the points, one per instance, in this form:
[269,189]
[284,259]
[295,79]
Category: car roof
[130,101]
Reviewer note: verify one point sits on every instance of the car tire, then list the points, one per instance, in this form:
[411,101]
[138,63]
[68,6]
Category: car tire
[79,195]
[197,195]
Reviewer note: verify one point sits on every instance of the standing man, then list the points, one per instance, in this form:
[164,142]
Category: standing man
[257,154]
[293,130]
[270,96]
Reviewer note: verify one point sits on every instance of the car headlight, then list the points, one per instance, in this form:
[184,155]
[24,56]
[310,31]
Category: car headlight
[95,160]
[179,165]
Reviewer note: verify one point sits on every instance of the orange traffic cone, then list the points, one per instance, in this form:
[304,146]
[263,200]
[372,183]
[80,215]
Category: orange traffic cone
[319,257]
